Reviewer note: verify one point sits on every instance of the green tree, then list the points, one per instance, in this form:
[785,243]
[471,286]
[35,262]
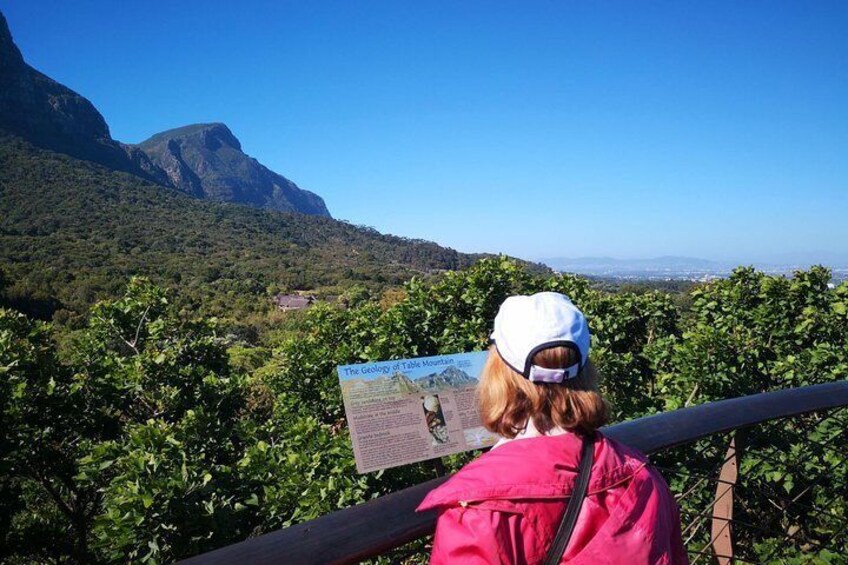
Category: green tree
[149,436]
[133,440]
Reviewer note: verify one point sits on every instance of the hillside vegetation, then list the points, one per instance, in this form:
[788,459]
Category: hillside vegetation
[72,231]
[153,438]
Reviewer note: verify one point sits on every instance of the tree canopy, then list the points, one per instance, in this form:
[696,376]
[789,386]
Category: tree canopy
[151,435]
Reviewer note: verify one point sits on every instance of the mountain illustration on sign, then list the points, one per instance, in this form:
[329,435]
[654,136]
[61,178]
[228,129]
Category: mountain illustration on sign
[405,384]
[449,378]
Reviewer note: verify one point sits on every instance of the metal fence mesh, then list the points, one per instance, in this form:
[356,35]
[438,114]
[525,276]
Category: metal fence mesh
[788,493]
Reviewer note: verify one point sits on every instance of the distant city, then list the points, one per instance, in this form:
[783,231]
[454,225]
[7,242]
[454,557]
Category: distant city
[676,268]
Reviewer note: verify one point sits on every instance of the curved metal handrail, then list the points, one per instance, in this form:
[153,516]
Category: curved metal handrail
[375,527]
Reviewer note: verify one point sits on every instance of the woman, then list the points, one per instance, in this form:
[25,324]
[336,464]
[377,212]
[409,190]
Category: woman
[538,391]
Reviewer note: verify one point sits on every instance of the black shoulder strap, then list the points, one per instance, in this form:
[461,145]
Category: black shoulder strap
[569,519]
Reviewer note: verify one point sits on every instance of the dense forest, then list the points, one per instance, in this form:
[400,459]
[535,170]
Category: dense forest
[150,436]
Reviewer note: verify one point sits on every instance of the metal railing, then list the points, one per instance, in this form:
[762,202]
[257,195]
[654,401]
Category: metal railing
[766,493]
[749,474]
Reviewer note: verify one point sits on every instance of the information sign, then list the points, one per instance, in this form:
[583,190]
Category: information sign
[410,410]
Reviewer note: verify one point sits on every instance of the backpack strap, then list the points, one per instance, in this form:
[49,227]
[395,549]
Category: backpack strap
[572,511]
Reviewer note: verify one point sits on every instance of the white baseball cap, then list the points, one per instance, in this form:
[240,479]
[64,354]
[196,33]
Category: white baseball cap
[526,325]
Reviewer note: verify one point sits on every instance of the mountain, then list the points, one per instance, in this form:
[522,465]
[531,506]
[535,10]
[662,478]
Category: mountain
[80,213]
[382,389]
[52,116]
[404,384]
[449,378]
[206,161]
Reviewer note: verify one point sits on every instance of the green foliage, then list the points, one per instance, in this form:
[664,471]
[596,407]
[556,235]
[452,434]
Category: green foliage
[37,400]
[151,436]
[132,439]
[455,313]
[752,333]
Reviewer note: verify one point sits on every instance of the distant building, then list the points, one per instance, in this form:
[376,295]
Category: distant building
[288,302]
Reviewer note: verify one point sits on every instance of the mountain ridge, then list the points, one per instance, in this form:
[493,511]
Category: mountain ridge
[451,377]
[80,214]
[207,161]
[52,116]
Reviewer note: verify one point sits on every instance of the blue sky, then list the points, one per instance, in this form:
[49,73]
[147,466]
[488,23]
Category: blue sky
[540,129]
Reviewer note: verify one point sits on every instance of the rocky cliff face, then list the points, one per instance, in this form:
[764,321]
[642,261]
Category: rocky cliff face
[52,116]
[206,161]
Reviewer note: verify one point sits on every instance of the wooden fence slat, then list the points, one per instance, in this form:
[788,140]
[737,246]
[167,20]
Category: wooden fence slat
[722,523]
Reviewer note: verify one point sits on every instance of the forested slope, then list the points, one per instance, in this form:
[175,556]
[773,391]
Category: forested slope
[72,231]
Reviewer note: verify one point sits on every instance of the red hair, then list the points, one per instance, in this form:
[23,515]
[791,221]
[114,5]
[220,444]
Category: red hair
[507,401]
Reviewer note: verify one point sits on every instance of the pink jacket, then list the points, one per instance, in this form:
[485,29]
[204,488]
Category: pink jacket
[506,506]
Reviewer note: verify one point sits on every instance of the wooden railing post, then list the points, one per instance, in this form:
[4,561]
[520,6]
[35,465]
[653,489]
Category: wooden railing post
[722,523]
